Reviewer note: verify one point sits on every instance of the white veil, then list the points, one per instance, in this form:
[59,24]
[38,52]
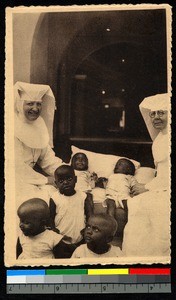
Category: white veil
[153,103]
[35,134]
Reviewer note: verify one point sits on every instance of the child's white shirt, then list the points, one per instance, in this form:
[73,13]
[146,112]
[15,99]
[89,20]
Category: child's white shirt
[83,251]
[70,217]
[84,182]
[40,245]
[118,187]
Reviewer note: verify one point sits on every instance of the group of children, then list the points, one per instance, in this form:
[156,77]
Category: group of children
[68,227]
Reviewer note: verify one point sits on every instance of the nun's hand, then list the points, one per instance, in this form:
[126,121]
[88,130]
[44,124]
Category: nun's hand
[138,188]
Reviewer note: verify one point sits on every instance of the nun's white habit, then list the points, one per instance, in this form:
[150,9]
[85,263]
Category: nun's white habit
[34,141]
[147,233]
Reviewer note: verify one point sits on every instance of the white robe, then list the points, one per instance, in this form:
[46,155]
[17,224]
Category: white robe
[30,183]
[147,232]
[70,215]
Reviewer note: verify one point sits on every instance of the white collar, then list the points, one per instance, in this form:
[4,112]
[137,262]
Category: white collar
[34,134]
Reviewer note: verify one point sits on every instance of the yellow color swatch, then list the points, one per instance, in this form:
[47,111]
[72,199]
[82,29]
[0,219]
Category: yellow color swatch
[108,271]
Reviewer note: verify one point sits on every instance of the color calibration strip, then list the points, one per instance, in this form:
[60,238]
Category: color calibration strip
[91,280]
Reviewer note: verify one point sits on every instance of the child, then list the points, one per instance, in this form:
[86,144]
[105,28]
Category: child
[85,180]
[69,207]
[120,184]
[99,232]
[35,240]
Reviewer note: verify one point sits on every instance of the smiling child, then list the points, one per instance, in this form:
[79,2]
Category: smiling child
[85,180]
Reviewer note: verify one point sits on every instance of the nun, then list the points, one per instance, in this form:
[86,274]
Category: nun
[34,114]
[147,233]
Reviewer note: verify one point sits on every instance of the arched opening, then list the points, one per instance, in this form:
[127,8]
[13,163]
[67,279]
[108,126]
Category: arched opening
[100,65]
[107,88]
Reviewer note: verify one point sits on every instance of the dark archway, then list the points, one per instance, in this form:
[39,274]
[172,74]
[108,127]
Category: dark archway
[93,36]
[64,42]
[108,86]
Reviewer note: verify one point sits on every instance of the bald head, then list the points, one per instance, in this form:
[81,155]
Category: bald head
[107,222]
[65,180]
[35,207]
[124,166]
[64,170]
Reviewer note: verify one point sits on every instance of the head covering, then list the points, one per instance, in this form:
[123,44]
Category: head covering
[154,103]
[38,133]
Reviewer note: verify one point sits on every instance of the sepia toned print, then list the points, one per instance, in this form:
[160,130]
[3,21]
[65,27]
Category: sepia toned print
[87,135]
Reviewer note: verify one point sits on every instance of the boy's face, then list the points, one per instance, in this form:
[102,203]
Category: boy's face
[80,162]
[65,181]
[96,231]
[30,224]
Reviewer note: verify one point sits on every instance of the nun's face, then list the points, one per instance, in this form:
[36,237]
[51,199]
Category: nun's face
[32,109]
[159,119]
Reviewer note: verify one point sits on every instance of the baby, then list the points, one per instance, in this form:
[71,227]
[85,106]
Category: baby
[69,208]
[85,180]
[35,240]
[99,232]
[120,184]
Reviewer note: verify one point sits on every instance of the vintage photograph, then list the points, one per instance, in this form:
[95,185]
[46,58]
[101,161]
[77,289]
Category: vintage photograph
[87,135]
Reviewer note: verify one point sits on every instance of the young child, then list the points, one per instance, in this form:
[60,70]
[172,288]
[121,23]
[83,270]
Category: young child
[99,232]
[120,184]
[35,240]
[85,180]
[69,208]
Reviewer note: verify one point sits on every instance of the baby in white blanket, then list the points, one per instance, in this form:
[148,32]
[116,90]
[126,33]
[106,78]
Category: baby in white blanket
[120,184]
[85,180]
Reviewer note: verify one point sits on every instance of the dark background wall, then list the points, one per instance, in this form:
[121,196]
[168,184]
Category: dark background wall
[64,46]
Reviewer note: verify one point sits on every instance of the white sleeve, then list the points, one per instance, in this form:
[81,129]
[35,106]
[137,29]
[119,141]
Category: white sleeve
[157,183]
[133,181]
[25,172]
[48,161]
